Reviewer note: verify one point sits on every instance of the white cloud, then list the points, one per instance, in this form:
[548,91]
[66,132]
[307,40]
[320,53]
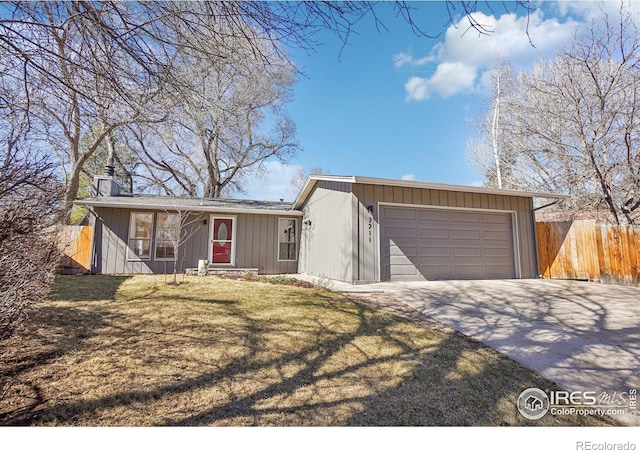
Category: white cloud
[274,183]
[465,54]
[402,59]
[409,177]
[449,79]
[592,10]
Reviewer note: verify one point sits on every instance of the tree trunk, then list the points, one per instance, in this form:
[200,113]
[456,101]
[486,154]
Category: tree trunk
[70,194]
[494,135]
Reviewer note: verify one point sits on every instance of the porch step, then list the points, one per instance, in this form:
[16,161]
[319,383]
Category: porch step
[225,271]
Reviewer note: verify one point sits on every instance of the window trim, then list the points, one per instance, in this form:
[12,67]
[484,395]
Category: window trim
[295,219]
[155,235]
[131,255]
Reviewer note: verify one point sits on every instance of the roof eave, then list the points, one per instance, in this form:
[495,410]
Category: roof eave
[458,188]
[196,208]
[311,182]
[313,179]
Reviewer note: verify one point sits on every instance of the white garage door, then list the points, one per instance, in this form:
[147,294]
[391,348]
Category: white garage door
[433,244]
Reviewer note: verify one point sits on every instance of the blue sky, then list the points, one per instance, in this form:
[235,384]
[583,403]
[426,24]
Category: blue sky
[394,105]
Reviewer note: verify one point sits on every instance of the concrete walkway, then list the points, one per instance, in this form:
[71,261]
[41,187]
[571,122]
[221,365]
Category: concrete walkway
[582,336]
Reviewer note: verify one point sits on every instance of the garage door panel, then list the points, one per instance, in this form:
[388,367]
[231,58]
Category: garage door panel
[409,250]
[407,230]
[493,236]
[400,260]
[433,233]
[403,242]
[465,225]
[466,251]
[495,270]
[432,251]
[432,215]
[468,271]
[462,217]
[402,269]
[447,244]
[496,218]
[465,234]
[441,272]
[398,214]
[497,252]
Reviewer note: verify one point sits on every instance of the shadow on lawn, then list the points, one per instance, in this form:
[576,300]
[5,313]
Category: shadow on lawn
[88,287]
[325,373]
[51,333]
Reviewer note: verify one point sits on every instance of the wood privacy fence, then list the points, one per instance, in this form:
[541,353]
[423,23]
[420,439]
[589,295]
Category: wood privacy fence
[75,244]
[582,249]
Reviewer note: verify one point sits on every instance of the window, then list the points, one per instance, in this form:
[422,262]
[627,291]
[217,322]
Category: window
[140,229]
[166,236]
[287,250]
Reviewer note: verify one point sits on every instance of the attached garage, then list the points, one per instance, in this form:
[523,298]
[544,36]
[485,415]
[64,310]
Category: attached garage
[446,243]
[366,230]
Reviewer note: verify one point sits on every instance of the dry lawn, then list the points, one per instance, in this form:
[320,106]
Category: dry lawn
[133,351]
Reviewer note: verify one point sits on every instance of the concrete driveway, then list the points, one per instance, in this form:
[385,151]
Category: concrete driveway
[582,336]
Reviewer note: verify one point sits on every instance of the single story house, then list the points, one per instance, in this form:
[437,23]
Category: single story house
[348,228]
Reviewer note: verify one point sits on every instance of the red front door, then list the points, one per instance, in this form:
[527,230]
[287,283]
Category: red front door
[222,241]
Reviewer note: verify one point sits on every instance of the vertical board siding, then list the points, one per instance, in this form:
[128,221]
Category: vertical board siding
[582,249]
[255,240]
[368,259]
[327,236]
[366,239]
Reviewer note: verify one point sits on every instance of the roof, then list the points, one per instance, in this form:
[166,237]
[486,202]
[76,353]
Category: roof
[225,205]
[167,203]
[313,179]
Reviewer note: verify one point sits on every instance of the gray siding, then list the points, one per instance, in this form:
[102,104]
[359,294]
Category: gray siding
[328,241]
[367,261]
[256,240]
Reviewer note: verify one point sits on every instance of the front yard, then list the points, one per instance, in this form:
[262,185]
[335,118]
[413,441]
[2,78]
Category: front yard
[134,351]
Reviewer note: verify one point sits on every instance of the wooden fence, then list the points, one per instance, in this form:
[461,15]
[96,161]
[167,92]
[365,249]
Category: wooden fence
[582,249]
[75,244]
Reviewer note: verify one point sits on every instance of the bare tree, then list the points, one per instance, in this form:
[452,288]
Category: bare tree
[571,124]
[300,178]
[577,120]
[82,77]
[29,197]
[89,68]
[175,228]
[230,119]
[490,151]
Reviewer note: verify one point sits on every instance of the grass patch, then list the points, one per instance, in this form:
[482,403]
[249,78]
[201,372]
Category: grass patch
[134,351]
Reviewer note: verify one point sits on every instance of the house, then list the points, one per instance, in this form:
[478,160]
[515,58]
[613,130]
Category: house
[533,403]
[354,229]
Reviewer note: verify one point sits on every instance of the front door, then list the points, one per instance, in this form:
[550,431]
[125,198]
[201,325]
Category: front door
[222,240]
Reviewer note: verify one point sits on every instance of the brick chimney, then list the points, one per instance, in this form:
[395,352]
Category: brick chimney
[105,185]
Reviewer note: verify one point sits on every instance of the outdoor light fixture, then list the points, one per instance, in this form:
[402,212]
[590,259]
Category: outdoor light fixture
[370,209]
[307,222]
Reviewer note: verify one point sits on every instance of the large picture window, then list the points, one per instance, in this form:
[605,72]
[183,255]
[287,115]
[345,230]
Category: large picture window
[287,246]
[166,236]
[140,231]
